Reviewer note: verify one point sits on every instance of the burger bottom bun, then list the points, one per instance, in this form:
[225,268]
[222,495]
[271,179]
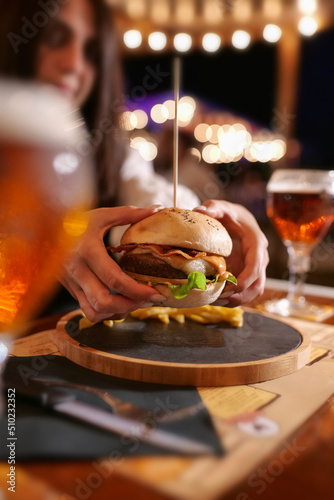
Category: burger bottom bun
[195,298]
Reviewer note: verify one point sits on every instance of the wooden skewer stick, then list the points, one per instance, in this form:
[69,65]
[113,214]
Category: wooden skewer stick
[176,127]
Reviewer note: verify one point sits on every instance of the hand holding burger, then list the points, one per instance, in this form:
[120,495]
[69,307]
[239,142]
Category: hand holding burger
[180,253]
[89,273]
[249,258]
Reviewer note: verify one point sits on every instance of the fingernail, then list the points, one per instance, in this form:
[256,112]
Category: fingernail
[224,295]
[208,210]
[222,302]
[158,298]
[146,304]
[152,207]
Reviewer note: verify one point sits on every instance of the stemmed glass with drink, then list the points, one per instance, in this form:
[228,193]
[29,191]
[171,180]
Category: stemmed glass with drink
[46,188]
[300,206]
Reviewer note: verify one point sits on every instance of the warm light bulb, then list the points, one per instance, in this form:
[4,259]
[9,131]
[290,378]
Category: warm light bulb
[211,153]
[157,40]
[148,151]
[307,26]
[136,142]
[184,11]
[182,42]
[189,100]
[170,105]
[139,119]
[212,133]
[160,11]
[185,112]
[307,6]
[136,8]
[272,8]
[240,39]
[211,42]
[195,153]
[126,121]
[272,33]
[132,39]
[159,113]
[200,132]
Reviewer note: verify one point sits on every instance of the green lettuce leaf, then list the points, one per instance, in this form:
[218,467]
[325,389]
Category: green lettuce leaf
[195,280]
[232,279]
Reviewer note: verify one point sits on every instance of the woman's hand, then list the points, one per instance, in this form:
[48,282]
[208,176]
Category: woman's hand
[90,273]
[249,257]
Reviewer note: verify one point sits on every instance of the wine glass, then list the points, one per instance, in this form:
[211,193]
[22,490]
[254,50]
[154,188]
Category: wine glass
[300,206]
[46,188]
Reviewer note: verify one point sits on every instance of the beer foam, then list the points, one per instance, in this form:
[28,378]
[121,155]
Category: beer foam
[301,181]
[293,189]
[37,114]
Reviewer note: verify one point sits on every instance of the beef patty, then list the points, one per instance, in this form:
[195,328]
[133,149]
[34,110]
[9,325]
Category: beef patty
[149,265]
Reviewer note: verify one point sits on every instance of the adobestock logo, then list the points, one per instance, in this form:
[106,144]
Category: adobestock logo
[216,184]
[30,27]
[281,119]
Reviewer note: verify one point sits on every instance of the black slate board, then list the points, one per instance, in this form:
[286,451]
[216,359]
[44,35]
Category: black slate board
[259,338]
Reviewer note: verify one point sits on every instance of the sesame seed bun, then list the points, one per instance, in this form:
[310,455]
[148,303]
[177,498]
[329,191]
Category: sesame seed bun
[181,228]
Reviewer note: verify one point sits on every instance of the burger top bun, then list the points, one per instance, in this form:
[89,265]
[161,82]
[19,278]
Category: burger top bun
[181,228]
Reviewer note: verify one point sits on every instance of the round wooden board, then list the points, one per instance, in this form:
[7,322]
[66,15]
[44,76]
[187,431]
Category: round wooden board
[189,354]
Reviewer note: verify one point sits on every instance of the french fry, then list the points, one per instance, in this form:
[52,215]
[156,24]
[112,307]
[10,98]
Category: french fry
[154,312]
[206,314]
[196,317]
[180,318]
[84,323]
[108,322]
[164,318]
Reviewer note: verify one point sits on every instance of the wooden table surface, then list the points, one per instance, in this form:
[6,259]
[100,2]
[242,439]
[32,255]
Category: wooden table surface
[309,477]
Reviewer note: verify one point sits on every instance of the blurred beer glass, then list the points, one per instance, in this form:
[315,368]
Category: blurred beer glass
[300,206]
[46,186]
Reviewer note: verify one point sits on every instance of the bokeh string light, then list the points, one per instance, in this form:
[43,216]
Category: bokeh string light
[215,143]
[212,42]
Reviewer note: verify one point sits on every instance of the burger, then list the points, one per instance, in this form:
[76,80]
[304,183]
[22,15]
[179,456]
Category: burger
[180,253]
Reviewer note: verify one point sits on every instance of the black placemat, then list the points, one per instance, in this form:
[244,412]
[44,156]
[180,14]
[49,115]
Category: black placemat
[43,434]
